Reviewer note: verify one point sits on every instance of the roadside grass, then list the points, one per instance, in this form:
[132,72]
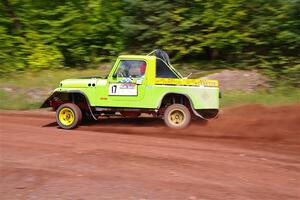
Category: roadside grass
[17,91]
[18,101]
[48,78]
[272,96]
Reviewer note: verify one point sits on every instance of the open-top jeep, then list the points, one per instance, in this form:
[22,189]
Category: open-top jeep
[136,84]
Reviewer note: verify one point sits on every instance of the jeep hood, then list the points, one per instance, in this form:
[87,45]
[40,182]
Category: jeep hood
[77,83]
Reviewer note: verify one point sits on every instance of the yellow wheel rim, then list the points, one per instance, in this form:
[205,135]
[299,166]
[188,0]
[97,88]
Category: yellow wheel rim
[177,117]
[66,116]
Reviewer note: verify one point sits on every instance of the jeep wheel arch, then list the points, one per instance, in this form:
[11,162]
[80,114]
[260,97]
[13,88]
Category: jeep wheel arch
[175,98]
[65,97]
[58,98]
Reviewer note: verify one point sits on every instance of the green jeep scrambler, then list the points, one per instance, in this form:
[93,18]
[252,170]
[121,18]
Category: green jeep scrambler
[136,84]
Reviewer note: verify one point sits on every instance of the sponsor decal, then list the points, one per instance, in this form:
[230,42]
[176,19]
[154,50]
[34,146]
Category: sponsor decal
[191,82]
[127,86]
[126,80]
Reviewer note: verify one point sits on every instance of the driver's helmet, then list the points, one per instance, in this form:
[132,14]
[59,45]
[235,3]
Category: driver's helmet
[142,68]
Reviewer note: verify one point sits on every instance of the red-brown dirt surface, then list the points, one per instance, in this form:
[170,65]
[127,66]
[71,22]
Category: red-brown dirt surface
[249,152]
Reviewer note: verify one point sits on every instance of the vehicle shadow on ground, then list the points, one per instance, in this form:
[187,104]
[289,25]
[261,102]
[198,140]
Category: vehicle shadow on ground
[52,124]
[130,122]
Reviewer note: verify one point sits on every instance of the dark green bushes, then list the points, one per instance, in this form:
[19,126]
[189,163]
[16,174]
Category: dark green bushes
[261,34]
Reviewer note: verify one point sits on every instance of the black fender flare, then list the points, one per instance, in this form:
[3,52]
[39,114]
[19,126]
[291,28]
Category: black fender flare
[46,103]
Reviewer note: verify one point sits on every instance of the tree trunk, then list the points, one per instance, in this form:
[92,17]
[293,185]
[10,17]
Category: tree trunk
[212,53]
[10,12]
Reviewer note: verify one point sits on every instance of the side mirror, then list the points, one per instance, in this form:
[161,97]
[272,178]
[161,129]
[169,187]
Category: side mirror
[114,76]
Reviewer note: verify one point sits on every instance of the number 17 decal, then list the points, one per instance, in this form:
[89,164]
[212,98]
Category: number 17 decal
[114,89]
[122,89]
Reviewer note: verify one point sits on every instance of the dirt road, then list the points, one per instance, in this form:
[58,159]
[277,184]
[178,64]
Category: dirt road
[250,152]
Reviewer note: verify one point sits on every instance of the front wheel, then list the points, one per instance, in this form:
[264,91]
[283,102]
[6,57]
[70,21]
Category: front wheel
[177,116]
[68,116]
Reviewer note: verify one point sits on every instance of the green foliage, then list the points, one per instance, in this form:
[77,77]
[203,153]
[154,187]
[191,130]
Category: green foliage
[262,34]
[44,56]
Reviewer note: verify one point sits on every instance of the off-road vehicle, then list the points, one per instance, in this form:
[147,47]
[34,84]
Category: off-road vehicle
[136,84]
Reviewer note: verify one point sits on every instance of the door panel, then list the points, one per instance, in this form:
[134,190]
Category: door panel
[125,85]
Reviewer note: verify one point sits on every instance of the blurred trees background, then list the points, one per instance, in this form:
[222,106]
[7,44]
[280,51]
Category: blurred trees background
[37,35]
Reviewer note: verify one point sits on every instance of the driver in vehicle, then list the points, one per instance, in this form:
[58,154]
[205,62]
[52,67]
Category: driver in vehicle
[142,70]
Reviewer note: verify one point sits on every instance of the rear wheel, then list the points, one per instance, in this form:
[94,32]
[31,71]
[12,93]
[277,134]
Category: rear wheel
[177,116]
[68,116]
